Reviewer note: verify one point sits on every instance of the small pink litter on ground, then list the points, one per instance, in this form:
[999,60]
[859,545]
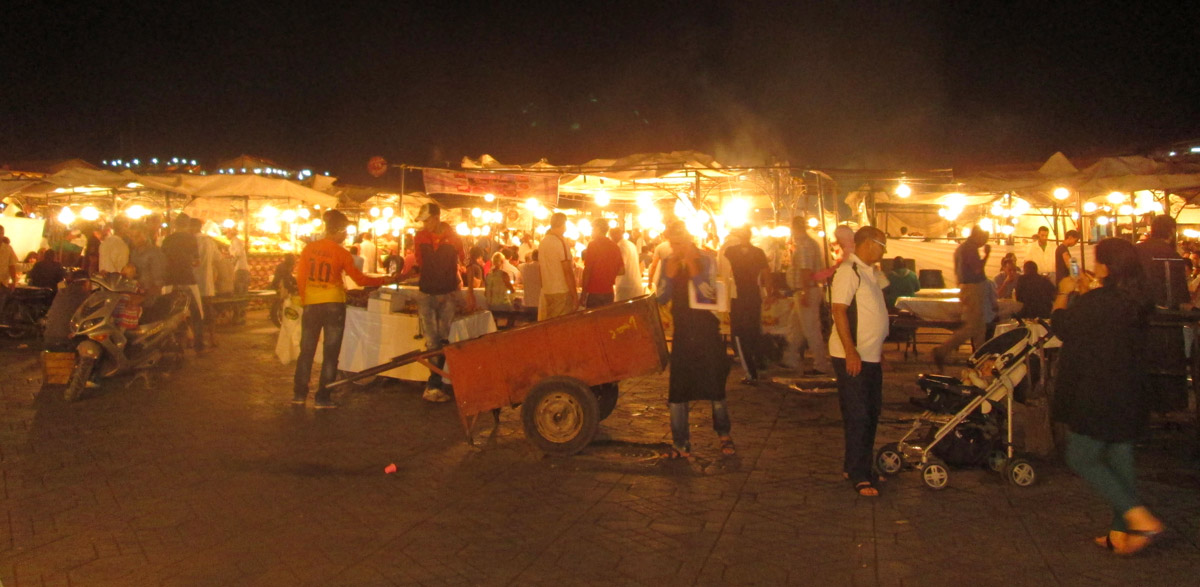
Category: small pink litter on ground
[388,470]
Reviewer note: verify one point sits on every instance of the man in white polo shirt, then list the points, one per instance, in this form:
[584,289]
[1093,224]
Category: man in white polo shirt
[860,324]
[559,294]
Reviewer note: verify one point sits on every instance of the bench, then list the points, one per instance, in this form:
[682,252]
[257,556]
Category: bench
[234,305]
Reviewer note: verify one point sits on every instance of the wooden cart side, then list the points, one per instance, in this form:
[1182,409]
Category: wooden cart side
[598,346]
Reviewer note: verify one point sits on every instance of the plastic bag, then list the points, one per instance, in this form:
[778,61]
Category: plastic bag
[287,346]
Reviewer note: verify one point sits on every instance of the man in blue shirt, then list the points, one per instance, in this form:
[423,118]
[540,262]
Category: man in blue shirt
[972,294]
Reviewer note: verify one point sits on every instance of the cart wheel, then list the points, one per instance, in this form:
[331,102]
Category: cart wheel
[935,474]
[997,460]
[1020,472]
[889,460]
[606,398]
[560,416]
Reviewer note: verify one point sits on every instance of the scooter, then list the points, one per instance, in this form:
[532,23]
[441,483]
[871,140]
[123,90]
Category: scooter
[24,311]
[105,349]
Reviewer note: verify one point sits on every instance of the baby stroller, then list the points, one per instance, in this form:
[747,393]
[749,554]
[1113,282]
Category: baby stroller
[966,420]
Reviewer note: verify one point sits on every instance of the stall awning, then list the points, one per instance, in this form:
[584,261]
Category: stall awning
[224,186]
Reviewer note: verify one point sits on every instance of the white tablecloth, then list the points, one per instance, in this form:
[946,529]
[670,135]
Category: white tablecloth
[398,296]
[948,309]
[949,292]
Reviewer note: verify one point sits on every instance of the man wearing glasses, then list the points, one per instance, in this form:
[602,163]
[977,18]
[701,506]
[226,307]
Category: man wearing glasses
[860,325]
[972,294]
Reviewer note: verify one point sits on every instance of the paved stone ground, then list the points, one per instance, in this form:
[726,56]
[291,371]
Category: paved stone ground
[211,477]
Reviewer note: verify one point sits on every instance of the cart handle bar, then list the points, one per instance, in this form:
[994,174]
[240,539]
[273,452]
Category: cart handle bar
[400,361]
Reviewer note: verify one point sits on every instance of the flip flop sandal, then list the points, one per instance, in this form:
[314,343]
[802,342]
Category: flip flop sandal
[676,454]
[727,447]
[865,489]
[1150,537]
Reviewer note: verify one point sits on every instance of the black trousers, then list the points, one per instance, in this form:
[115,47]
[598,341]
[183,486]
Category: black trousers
[861,399]
[745,324]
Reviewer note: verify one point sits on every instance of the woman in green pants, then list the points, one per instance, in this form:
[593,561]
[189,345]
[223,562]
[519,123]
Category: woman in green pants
[1099,390]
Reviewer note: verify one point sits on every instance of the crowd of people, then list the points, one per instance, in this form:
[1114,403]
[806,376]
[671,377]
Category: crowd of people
[1100,315]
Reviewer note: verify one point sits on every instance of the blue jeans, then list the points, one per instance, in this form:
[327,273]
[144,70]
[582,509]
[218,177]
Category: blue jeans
[1108,468]
[681,436]
[861,399]
[331,318]
[436,312]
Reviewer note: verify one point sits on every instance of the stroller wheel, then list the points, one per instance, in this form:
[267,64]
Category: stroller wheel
[889,460]
[997,460]
[1020,472]
[935,474]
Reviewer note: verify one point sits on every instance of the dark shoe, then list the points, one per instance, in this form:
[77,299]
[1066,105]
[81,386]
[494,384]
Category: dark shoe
[324,404]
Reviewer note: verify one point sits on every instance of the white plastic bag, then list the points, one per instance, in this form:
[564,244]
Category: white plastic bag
[287,346]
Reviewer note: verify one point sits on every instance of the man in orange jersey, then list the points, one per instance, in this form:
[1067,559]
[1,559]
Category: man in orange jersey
[323,295]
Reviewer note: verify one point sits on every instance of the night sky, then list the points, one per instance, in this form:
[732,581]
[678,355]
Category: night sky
[835,84]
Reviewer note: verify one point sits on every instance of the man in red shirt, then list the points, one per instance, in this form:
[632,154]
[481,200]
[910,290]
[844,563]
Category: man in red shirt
[438,253]
[602,263]
[323,295]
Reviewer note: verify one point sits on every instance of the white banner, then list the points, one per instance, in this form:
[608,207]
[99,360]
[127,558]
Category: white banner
[518,186]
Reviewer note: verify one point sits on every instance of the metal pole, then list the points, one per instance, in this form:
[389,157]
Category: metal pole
[821,212]
[1082,241]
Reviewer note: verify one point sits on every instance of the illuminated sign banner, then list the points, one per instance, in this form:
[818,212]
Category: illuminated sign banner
[520,186]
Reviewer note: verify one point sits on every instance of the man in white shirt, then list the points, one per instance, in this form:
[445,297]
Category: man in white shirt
[1041,252]
[860,325]
[368,251]
[114,251]
[629,284]
[206,275]
[8,262]
[241,264]
[661,252]
[559,293]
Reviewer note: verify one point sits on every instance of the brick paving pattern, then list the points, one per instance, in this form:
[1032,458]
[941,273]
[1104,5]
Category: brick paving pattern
[209,476]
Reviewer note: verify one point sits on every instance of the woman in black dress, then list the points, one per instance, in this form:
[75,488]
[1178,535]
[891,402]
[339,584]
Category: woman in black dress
[699,366]
[1099,390]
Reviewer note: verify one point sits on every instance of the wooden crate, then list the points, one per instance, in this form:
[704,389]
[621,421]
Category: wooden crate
[56,367]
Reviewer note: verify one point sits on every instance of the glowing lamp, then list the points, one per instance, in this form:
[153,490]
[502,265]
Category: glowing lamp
[1115,198]
[228,223]
[813,222]
[1089,207]
[489,197]
[476,212]
[374,212]
[903,190]
[602,199]
[89,213]
[1061,193]
[532,204]
[66,216]
[388,212]
[304,213]
[1102,220]
[288,216]
[462,229]
[1125,210]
